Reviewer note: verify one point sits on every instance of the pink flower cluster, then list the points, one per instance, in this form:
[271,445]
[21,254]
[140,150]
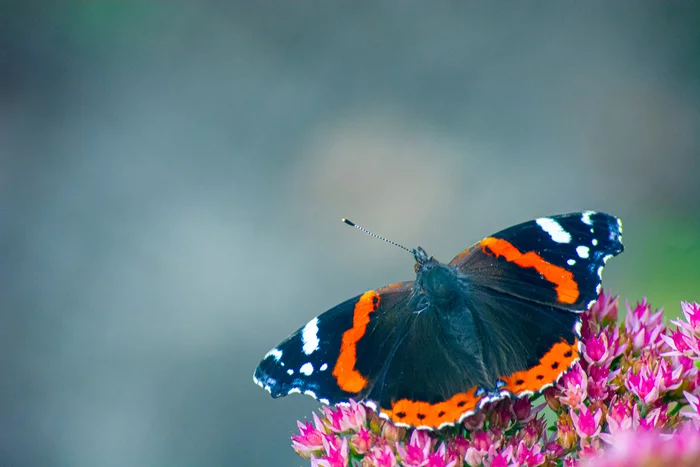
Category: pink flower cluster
[633,399]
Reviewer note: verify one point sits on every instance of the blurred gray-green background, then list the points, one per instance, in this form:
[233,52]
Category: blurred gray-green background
[172,177]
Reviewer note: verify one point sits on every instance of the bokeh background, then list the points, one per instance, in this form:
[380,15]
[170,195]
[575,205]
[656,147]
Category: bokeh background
[172,177]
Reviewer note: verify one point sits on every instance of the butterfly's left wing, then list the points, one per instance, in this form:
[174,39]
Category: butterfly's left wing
[528,284]
[555,260]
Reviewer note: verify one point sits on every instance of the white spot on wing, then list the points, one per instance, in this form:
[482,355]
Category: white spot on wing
[290,372]
[306,369]
[594,242]
[586,217]
[275,353]
[294,391]
[582,251]
[309,337]
[554,230]
[267,387]
[324,367]
[570,262]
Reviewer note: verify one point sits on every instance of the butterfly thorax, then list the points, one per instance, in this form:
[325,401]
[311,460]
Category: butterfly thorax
[439,283]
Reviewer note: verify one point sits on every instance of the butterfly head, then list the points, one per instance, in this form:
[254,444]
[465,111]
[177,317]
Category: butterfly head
[421,257]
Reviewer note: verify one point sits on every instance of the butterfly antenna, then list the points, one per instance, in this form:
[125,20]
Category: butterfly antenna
[352,224]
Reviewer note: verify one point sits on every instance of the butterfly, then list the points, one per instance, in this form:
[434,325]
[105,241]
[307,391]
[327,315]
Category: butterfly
[502,319]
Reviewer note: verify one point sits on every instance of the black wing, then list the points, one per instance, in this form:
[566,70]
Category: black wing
[555,260]
[526,285]
[324,359]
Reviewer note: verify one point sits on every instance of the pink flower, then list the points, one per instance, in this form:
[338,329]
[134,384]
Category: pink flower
[335,418]
[685,340]
[480,445]
[459,447]
[642,315]
[589,449]
[620,409]
[598,387]
[587,424]
[669,378]
[679,342]
[415,453]
[356,415]
[596,349]
[689,370]
[574,385]
[692,315]
[439,458]
[345,418]
[362,441]
[502,458]
[481,441]
[380,457]
[473,457]
[336,456]
[644,325]
[656,418]
[530,457]
[617,345]
[310,439]
[644,385]
[605,308]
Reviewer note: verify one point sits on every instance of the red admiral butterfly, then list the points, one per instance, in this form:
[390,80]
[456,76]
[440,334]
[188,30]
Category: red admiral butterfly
[499,320]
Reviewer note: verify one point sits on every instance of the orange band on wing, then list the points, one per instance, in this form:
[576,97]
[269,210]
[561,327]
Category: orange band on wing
[565,285]
[417,413]
[349,379]
[555,362]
